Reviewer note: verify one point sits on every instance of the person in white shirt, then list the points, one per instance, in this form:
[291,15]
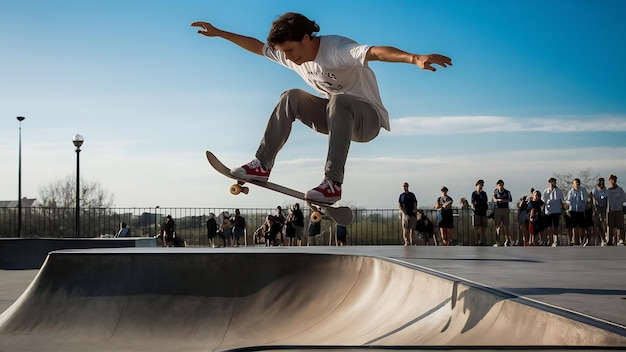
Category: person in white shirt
[350,108]
[553,202]
[615,211]
[577,202]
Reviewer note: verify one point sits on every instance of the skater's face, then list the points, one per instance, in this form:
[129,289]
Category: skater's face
[299,52]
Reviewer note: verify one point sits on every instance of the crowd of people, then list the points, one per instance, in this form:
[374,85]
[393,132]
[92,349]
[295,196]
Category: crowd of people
[278,229]
[596,215]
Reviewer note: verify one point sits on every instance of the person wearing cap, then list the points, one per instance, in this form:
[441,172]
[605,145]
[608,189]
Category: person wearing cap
[502,197]
[615,207]
[576,201]
[445,217]
[407,202]
[553,199]
[599,210]
[480,203]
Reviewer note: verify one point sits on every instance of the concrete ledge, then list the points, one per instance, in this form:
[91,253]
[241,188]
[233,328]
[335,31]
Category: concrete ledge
[30,253]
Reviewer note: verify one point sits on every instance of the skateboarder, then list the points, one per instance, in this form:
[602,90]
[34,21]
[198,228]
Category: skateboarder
[337,68]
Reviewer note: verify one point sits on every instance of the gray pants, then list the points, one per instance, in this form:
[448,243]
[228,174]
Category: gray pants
[343,118]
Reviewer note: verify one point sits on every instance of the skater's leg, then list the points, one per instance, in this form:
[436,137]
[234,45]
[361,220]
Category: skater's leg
[349,119]
[293,104]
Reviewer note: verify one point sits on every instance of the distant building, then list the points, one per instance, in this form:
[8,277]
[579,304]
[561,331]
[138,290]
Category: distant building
[26,203]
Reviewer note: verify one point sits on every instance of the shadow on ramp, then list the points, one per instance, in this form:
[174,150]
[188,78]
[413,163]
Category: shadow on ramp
[201,300]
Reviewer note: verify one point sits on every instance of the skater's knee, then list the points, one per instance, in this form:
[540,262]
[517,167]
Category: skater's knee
[292,95]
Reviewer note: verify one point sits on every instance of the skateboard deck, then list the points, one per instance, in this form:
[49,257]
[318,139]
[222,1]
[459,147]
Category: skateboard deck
[341,215]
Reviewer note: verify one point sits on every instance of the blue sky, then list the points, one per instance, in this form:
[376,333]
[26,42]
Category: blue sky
[537,87]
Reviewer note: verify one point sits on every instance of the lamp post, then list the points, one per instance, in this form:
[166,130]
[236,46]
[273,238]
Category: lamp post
[78,141]
[19,181]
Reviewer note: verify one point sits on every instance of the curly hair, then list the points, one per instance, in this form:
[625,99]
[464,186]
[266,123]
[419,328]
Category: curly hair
[291,27]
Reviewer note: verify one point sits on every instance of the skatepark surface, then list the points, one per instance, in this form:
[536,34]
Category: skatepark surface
[305,298]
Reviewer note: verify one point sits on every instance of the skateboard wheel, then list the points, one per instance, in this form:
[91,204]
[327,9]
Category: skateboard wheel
[235,189]
[316,217]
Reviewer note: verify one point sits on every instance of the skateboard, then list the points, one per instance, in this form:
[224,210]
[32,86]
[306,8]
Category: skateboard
[341,215]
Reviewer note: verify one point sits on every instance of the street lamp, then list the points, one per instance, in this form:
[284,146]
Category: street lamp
[78,141]
[19,181]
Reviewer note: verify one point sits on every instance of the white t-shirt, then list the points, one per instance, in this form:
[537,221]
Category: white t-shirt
[338,68]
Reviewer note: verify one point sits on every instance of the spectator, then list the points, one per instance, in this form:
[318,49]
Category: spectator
[407,202]
[290,229]
[577,202]
[211,229]
[535,224]
[124,231]
[315,228]
[168,231]
[298,223]
[446,219]
[589,227]
[342,233]
[615,206]
[279,219]
[502,197]
[225,231]
[480,203]
[522,217]
[424,228]
[239,227]
[553,199]
[599,211]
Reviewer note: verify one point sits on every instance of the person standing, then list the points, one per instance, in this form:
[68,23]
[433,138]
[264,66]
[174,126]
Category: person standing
[615,207]
[407,202]
[239,228]
[211,229]
[298,223]
[279,222]
[337,68]
[522,217]
[553,199]
[502,197]
[535,221]
[576,201]
[168,231]
[599,210]
[480,203]
[446,217]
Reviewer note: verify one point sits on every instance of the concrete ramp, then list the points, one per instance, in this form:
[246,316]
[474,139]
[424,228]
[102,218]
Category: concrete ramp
[202,300]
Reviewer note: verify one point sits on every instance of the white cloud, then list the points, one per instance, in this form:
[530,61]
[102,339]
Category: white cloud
[482,124]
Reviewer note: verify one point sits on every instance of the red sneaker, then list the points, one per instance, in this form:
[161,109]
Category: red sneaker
[327,192]
[251,171]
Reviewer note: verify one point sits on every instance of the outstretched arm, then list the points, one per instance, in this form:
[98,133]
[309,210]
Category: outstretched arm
[253,45]
[391,54]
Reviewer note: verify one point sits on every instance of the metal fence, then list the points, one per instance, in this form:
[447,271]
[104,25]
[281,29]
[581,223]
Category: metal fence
[370,226]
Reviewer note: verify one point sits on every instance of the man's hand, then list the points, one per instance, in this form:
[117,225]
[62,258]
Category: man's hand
[207,29]
[426,61]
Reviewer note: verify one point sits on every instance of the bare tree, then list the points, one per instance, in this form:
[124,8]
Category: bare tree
[62,193]
[587,179]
